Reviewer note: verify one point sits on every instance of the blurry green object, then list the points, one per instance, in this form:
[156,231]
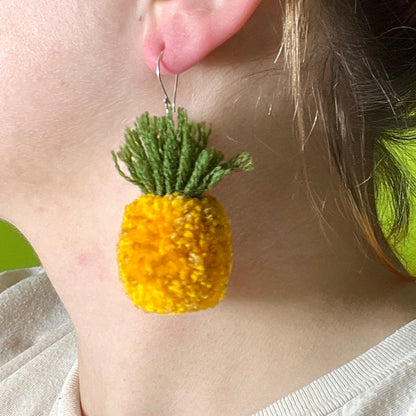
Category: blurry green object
[15,250]
[404,247]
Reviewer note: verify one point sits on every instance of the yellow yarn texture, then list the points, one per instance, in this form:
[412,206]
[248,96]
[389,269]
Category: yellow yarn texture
[175,253]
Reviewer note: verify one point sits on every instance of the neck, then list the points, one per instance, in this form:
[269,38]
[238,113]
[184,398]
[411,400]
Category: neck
[290,283]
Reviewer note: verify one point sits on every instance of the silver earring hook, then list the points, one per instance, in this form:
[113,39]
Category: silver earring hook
[166,100]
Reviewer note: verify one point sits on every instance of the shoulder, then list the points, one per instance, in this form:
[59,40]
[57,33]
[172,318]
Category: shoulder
[37,342]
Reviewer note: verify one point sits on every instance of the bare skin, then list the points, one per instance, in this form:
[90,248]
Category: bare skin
[298,304]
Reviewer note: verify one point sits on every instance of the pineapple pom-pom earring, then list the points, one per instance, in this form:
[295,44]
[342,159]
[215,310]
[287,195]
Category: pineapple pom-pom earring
[174,252]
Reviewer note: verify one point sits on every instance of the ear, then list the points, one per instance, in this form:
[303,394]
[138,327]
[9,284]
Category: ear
[188,30]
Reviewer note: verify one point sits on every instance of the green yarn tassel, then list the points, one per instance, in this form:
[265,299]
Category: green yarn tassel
[163,158]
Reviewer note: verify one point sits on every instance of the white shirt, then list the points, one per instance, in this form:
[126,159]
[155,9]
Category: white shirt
[39,368]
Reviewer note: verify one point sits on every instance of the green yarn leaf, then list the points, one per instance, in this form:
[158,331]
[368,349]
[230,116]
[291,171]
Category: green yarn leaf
[239,163]
[150,138]
[186,157]
[201,166]
[163,157]
[170,155]
[211,159]
[137,152]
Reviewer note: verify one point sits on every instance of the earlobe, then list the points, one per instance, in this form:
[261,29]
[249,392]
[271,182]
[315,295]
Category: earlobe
[188,30]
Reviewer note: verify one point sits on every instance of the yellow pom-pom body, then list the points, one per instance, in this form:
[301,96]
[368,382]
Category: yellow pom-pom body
[175,253]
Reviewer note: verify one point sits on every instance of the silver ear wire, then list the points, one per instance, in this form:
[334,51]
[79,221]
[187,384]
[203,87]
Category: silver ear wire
[166,100]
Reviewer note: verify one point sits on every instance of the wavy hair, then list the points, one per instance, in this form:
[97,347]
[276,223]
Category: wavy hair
[363,87]
[352,63]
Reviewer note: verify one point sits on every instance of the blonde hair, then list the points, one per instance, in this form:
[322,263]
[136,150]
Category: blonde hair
[363,86]
[359,82]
